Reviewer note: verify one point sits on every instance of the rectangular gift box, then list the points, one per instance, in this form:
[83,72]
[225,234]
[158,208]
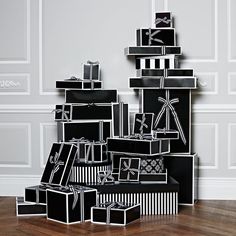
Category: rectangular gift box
[29,209]
[138,146]
[119,214]
[184,168]
[155,100]
[78,84]
[163,19]
[166,134]
[70,205]
[36,194]
[95,152]
[89,129]
[152,50]
[91,70]
[165,72]
[59,164]
[163,83]
[85,173]
[112,111]
[91,96]
[161,62]
[154,198]
[155,37]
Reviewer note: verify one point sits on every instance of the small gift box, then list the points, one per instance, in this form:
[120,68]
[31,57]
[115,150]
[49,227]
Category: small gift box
[36,194]
[143,123]
[91,96]
[163,19]
[95,152]
[89,129]
[29,209]
[105,177]
[63,112]
[91,70]
[156,37]
[166,134]
[129,169]
[115,213]
[71,204]
[59,164]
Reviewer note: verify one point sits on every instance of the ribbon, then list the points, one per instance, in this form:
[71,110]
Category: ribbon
[136,136]
[164,20]
[121,121]
[91,150]
[106,176]
[74,78]
[162,130]
[55,160]
[128,169]
[79,141]
[167,106]
[63,113]
[108,206]
[142,123]
[91,64]
[162,82]
[151,36]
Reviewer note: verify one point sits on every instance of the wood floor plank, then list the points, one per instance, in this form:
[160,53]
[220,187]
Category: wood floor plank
[210,218]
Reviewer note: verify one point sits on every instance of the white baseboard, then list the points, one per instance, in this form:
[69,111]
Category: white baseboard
[209,188]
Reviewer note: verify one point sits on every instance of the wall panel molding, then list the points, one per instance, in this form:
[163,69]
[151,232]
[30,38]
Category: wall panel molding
[231,143]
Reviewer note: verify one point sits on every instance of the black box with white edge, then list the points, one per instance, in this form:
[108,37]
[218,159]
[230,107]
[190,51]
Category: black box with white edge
[163,19]
[165,72]
[115,213]
[138,146]
[179,100]
[152,50]
[58,167]
[29,209]
[70,205]
[36,194]
[78,84]
[93,130]
[155,37]
[184,168]
[91,96]
[143,123]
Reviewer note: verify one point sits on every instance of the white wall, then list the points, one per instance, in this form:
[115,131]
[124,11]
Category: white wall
[44,41]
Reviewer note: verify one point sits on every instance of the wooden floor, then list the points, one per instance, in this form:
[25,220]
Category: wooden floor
[205,218]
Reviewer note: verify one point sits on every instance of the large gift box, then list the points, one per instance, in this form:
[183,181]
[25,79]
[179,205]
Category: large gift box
[184,168]
[71,204]
[145,146]
[173,111]
[88,129]
[36,194]
[156,37]
[115,213]
[91,96]
[154,198]
[29,209]
[83,173]
[59,164]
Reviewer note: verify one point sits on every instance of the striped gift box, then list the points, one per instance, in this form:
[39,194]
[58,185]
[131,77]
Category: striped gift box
[85,173]
[155,63]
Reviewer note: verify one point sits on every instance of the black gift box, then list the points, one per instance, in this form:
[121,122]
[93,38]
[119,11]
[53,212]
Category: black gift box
[91,96]
[184,168]
[155,37]
[143,123]
[105,177]
[36,194]
[163,19]
[152,50]
[155,198]
[91,70]
[138,146]
[83,173]
[163,83]
[70,205]
[129,169]
[166,134]
[78,84]
[59,164]
[165,72]
[155,63]
[91,130]
[179,113]
[116,213]
[62,112]
[95,152]
[29,209]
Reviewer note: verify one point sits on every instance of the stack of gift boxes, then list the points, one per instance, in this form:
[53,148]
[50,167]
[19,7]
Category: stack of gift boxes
[99,169]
